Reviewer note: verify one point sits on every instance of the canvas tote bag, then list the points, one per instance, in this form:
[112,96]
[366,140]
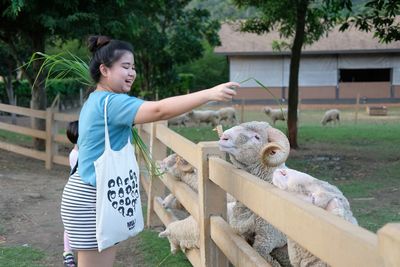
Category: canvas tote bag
[118,207]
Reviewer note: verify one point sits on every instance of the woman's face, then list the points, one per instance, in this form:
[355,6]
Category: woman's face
[120,77]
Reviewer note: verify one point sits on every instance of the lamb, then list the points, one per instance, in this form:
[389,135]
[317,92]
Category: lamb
[183,234]
[180,169]
[332,115]
[170,202]
[204,116]
[318,193]
[181,120]
[276,114]
[227,115]
[259,149]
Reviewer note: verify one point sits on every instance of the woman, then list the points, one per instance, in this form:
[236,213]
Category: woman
[112,67]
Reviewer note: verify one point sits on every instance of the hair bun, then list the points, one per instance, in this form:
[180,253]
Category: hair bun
[97,41]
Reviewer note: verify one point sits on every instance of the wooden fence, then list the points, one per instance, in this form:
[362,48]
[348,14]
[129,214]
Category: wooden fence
[50,134]
[330,238]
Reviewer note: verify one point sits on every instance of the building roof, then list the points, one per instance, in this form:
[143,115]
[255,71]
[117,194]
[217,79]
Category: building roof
[351,41]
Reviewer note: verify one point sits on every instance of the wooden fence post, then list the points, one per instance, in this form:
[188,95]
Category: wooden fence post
[212,201]
[49,138]
[242,111]
[158,151]
[389,244]
[357,108]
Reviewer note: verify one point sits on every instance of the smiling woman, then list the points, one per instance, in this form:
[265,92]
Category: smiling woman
[105,152]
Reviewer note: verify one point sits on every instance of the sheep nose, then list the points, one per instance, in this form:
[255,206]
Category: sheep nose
[224,137]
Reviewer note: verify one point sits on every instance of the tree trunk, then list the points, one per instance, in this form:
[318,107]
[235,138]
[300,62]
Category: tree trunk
[39,97]
[10,92]
[294,72]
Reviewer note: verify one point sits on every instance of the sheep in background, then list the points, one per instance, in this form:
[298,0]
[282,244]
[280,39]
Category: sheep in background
[227,116]
[276,114]
[183,234]
[181,120]
[204,116]
[319,193]
[259,149]
[332,115]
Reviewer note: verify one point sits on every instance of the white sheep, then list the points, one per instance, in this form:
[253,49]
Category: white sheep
[259,149]
[170,202]
[183,234]
[319,193]
[204,116]
[332,115]
[276,114]
[227,115]
[181,120]
[180,169]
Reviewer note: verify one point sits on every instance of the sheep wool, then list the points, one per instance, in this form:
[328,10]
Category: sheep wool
[183,234]
[259,149]
[319,193]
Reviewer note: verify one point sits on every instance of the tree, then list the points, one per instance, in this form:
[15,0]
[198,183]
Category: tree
[35,23]
[379,16]
[166,35]
[301,22]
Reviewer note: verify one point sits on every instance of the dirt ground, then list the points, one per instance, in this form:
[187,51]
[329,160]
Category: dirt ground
[30,198]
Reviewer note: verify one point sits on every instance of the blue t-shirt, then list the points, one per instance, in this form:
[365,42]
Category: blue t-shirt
[121,112]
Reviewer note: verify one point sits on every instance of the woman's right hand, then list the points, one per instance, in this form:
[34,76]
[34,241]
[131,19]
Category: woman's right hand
[223,92]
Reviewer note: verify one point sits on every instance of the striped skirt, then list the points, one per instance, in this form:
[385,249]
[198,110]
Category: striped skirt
[78,213]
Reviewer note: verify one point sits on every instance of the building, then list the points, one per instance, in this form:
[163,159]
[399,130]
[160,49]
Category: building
[333,70]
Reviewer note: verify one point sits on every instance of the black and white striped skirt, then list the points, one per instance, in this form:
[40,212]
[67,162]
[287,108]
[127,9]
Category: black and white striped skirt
[78,213]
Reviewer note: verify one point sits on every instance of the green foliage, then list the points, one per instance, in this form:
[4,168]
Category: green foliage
[379,16]
[20,256]
[166,34]
[207,71]
[67,88]
[223,9]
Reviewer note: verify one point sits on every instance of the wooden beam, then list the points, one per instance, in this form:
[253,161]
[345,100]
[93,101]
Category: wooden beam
[234,247]
[332,239]
[212,201]
[179,144]
[389,244]
[185,195]
[41,114]
[65,117]
[62,160]
[23,130]
[23,151]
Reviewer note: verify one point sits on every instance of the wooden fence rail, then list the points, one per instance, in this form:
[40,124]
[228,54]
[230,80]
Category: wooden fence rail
[335,241]
[50,134]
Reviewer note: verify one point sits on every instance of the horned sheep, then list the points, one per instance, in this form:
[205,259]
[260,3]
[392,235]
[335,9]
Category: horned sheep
[332,115]
[259,149]
[319,193]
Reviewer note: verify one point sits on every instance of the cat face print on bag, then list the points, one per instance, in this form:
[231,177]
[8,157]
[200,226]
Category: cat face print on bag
[123,193]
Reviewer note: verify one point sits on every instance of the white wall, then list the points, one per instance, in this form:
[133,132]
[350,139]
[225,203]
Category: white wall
[314,70]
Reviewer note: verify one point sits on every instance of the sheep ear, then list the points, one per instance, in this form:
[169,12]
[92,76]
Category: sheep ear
[277,150]
[186,167]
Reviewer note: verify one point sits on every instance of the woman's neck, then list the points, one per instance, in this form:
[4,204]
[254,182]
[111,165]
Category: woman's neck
[103,87]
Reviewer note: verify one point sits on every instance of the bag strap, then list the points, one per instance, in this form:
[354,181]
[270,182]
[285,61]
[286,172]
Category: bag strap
[106,135]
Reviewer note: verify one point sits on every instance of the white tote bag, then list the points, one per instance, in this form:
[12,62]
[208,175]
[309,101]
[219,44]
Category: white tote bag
[118,207]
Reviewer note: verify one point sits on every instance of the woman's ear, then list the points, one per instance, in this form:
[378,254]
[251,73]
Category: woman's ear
[103,70]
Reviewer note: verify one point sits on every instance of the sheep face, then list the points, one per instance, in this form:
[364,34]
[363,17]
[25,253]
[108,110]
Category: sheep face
[249,142]
[176,166]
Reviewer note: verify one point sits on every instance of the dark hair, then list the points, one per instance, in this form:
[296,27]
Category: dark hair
[72,132]
[105,51]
